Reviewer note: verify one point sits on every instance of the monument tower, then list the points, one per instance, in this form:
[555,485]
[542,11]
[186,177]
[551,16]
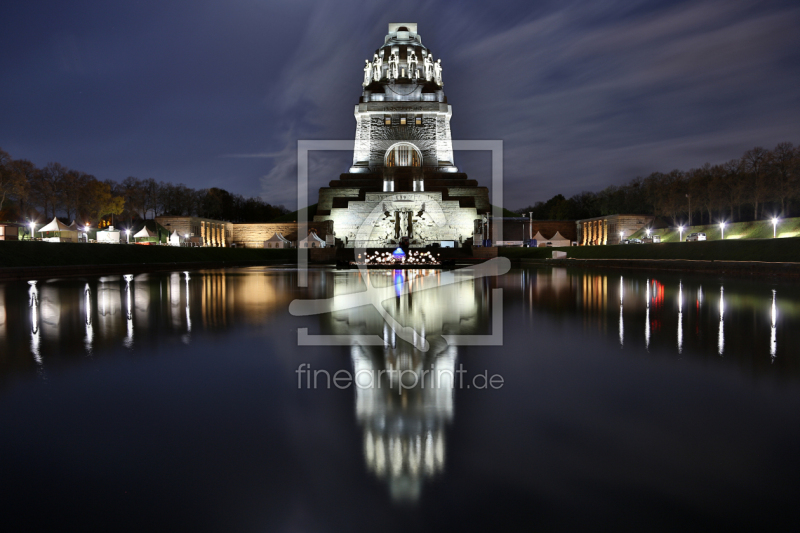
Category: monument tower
[403,164]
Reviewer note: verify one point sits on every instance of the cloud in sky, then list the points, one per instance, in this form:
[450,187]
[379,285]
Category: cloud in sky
[583,95]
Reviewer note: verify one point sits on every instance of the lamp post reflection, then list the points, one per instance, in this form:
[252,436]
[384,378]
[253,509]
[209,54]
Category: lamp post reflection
[647,318]
[87,304]
[773,336]
[33,303]
[680,317]
[721,337]
[621,325]
[129,312]
[188,314]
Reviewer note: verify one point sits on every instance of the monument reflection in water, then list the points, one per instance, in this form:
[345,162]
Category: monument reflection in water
[404,393]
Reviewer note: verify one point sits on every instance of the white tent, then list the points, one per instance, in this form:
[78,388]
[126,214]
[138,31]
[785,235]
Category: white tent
[559,240]
[277,241]
[175,239]
[539,238]
[145,235]
[312,241]
[65,233]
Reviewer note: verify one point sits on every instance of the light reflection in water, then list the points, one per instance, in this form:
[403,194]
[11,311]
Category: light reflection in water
[129,314]
[773,335]
[647,318]
[2,314]
[680,317]
[188,312]
[87,303]
[721,336]
[33,299]
[621,326]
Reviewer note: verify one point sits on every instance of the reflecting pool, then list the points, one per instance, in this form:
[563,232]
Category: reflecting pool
[541,399]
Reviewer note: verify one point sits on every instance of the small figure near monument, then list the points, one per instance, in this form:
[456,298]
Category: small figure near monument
[428,67]
[377,63]
[437,72]
[367,73]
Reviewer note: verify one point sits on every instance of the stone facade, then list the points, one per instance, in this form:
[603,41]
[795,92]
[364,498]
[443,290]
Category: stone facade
[254,235]
[215,233]
[606,230]
[218,233]
[383,220]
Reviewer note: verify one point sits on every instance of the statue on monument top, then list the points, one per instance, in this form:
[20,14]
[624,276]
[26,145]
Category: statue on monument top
[428,67]
[367,73]
[412,65]
[377,62]
[437,72]
[394,64]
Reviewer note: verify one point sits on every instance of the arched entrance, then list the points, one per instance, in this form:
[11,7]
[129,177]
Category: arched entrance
[403,155]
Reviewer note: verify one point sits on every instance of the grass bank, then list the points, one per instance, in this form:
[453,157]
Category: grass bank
[46,254]
[760,229]
[771,250]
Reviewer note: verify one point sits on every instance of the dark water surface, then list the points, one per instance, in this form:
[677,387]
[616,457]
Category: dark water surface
[182,402]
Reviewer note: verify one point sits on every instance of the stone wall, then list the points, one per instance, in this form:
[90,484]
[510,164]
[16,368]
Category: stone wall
[373,223]
[254,235]
[215,233]
[606,230]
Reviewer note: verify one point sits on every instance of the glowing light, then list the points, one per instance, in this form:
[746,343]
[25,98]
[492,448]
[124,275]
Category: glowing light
[774,226]
[680,238]
[722,229]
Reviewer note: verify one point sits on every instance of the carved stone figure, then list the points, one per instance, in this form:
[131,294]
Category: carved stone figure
[394,64]
[367,73]
[428,67]
[397,224]
[410,227]
[377,63]
[412,65]
[437,72]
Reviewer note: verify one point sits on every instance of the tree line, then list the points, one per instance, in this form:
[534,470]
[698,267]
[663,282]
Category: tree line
[28,193]
[760,184]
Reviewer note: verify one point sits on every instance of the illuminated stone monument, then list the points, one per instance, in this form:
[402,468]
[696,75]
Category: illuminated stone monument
[403,171]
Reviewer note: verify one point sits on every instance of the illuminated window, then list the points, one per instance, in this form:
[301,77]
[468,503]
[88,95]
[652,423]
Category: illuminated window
[419,121]
[403,121]
[388,121]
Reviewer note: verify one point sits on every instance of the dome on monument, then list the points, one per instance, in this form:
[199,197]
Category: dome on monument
[403,69]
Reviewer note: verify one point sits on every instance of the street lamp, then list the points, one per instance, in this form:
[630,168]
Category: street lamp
[621,233]
[680,238]
[128,236]
[33,227]
[647,230]
[722,230]
[774,227]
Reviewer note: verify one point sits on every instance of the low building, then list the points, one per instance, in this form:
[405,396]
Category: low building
[610,229]
[9,232]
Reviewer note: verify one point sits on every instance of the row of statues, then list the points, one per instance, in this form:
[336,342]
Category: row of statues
[431,71]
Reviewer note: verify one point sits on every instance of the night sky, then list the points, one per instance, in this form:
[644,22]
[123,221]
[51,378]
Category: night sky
[216,94]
